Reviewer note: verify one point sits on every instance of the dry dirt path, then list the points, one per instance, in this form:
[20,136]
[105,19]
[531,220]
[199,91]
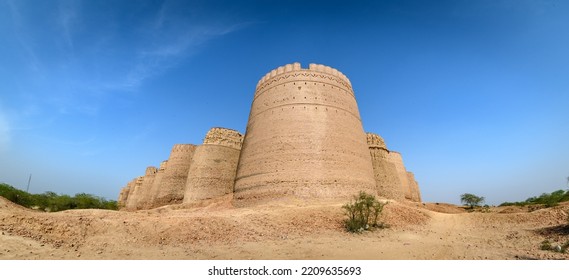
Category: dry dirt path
[221,231]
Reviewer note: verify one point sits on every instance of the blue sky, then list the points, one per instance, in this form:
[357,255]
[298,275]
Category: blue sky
[474,94]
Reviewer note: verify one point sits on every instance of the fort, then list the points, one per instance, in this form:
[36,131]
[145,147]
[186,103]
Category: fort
[304,141]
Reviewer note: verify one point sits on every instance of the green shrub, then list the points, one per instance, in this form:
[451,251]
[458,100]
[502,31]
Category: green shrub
[363,213]
[52,202]
[545,245]
[546,199]
[564,247]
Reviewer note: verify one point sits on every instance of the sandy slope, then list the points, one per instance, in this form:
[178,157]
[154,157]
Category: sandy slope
[220,231]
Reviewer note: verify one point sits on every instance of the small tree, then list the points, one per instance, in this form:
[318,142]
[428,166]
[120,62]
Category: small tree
[471,200]
[363,213]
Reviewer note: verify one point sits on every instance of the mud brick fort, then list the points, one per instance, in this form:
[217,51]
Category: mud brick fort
[304,141]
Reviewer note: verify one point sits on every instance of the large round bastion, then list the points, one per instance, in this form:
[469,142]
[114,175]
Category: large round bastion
[304,138]
[214,164]
[304,141]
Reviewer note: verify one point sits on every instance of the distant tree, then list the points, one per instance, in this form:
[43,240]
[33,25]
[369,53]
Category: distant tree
[471,200]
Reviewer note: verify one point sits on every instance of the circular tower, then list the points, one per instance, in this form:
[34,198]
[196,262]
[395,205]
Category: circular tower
[385,172]
[144,195]
[304,138]
[173,183]
[123,197]
[414,187]
[214,164]
[134,192]
[156,186]
[395,158]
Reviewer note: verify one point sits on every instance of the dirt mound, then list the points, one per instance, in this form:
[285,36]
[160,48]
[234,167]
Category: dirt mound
[538,218]
[307,231]
[402,215]
[511,209]
[7,205]
[444,208]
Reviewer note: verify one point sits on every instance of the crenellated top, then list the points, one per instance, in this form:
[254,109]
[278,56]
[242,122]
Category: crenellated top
[328,70]
[375,141]
[224,137]
[151,170]
[183,148]
[324,70]
[163,165]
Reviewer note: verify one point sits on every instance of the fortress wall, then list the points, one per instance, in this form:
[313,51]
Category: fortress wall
[396,159]
[129,196]
[385,172]
[155,187]
[214,165]
[304,138]
[123,197]
[414,187]
[375,141]
[173,183]
[133,196]
[224,137]
[144,195]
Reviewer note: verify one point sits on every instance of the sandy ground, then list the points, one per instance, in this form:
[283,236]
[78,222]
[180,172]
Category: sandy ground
[220,231]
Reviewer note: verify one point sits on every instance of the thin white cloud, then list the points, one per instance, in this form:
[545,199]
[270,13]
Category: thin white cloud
[67,19]
[150,62]
[169,37]
[32,59]
[82,76]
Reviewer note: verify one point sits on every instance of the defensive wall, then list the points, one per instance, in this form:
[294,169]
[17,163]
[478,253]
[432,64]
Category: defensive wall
[385,173]
[214,165]
[304,140]
[415,193]
[173,182]
[144,196]
[131,203]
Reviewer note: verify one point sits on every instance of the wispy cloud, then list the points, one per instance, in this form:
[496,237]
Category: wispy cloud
[154,61]
[19,29]
[107,53]
[170,38]
[67,18]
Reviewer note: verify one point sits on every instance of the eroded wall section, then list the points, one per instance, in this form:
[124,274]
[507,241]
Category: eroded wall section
[214,165]
[385,172]
[397,160]
[134,192]
[414,188]
[172,185]
[144,192]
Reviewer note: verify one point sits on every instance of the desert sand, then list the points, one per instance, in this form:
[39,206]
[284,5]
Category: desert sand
[215,229]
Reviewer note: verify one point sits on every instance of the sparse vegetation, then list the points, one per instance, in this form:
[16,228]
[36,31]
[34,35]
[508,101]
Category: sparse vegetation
[471,200]
[560,248]
[52,202]
[545,245]
[546,199]
[363,213]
